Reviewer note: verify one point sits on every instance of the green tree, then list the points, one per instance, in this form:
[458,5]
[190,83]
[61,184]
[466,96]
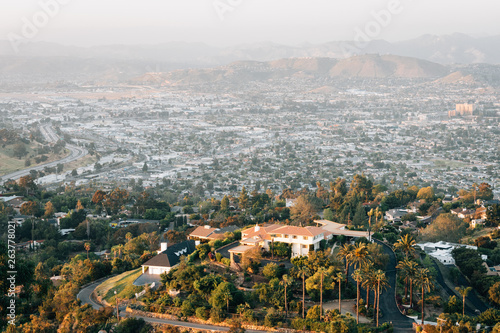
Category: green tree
[494,293]
[286,281]
[345,253]
[222,295]
[302,271]
[359,216]
[446,227]
[424,281]
[358,277]
[243,199]
[426,193]
[19,150]
[406,244]
[464,292]
[224,204]
[408,270]
[338,278]
[271,270]
[360,255]
[382,283]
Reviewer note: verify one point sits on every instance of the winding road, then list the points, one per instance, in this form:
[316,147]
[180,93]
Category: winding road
[50,136]
[85,296]
[388,304]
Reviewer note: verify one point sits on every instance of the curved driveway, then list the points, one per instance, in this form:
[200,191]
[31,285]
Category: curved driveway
[388,304]
[85,296]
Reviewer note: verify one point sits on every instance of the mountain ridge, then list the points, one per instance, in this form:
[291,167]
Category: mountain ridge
[448,49]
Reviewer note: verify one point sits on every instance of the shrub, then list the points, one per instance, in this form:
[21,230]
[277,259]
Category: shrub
[218,256]
[216,314]
[226,261]
[187,308]
[314,313]
[202,313]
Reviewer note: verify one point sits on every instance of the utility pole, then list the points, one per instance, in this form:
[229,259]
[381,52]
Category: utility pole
[117,308]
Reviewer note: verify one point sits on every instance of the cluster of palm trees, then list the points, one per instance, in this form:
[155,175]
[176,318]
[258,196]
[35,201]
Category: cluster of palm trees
[412,273]
[364,274]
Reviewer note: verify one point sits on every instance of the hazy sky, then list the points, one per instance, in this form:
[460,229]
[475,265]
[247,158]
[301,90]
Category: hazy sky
[229,22]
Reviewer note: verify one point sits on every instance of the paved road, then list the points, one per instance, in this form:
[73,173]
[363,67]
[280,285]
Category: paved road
[400,322]
[49,134]
[84,296]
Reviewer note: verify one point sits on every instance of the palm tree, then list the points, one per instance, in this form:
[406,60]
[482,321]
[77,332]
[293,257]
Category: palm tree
[358,277]
[407,268]
[464,292]
[286,281]
[338,278]
[424,280]
[412,269]
[406,244]
[360,255]
[368,281]
[321,271]
[382,283]
[87,248]
[370,214]
[345,253]
[302,271]
[226,294]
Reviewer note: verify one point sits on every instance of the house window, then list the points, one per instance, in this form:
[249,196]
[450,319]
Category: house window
[294,237]
[305,237]
[285,236]
[304,246]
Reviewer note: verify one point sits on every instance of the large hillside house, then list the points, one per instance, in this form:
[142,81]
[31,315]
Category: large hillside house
[302,239]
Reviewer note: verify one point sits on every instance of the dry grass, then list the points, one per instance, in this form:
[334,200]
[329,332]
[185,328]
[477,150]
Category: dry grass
[9,163]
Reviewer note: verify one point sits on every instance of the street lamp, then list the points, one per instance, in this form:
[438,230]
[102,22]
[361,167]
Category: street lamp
[117,308]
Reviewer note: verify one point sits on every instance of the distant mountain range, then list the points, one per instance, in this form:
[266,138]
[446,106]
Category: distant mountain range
[449,49]
[366,66]
[179,64]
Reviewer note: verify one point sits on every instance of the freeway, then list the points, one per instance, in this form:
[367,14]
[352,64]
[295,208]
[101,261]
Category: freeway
[85,296]
[50,136]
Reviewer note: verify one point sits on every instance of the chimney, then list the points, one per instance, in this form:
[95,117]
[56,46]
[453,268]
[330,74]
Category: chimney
[163,247]
[257,228]
[207,226]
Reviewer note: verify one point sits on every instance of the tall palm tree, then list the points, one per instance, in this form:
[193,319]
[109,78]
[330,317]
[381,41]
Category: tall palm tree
[286,281]
[338,278]
[464,292]
[407,269]
[382,283]
[322,272]
[360,255]
[370,214]
[413,270]
[368,281]
[302,271]
[406,244]
[358,277]
[379,214]
[345,253]
[424,280]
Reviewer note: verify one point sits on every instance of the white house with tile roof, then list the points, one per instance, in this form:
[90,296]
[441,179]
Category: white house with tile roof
[302,239]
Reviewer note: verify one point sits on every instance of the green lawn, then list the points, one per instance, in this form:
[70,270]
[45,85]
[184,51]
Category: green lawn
[122,284]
